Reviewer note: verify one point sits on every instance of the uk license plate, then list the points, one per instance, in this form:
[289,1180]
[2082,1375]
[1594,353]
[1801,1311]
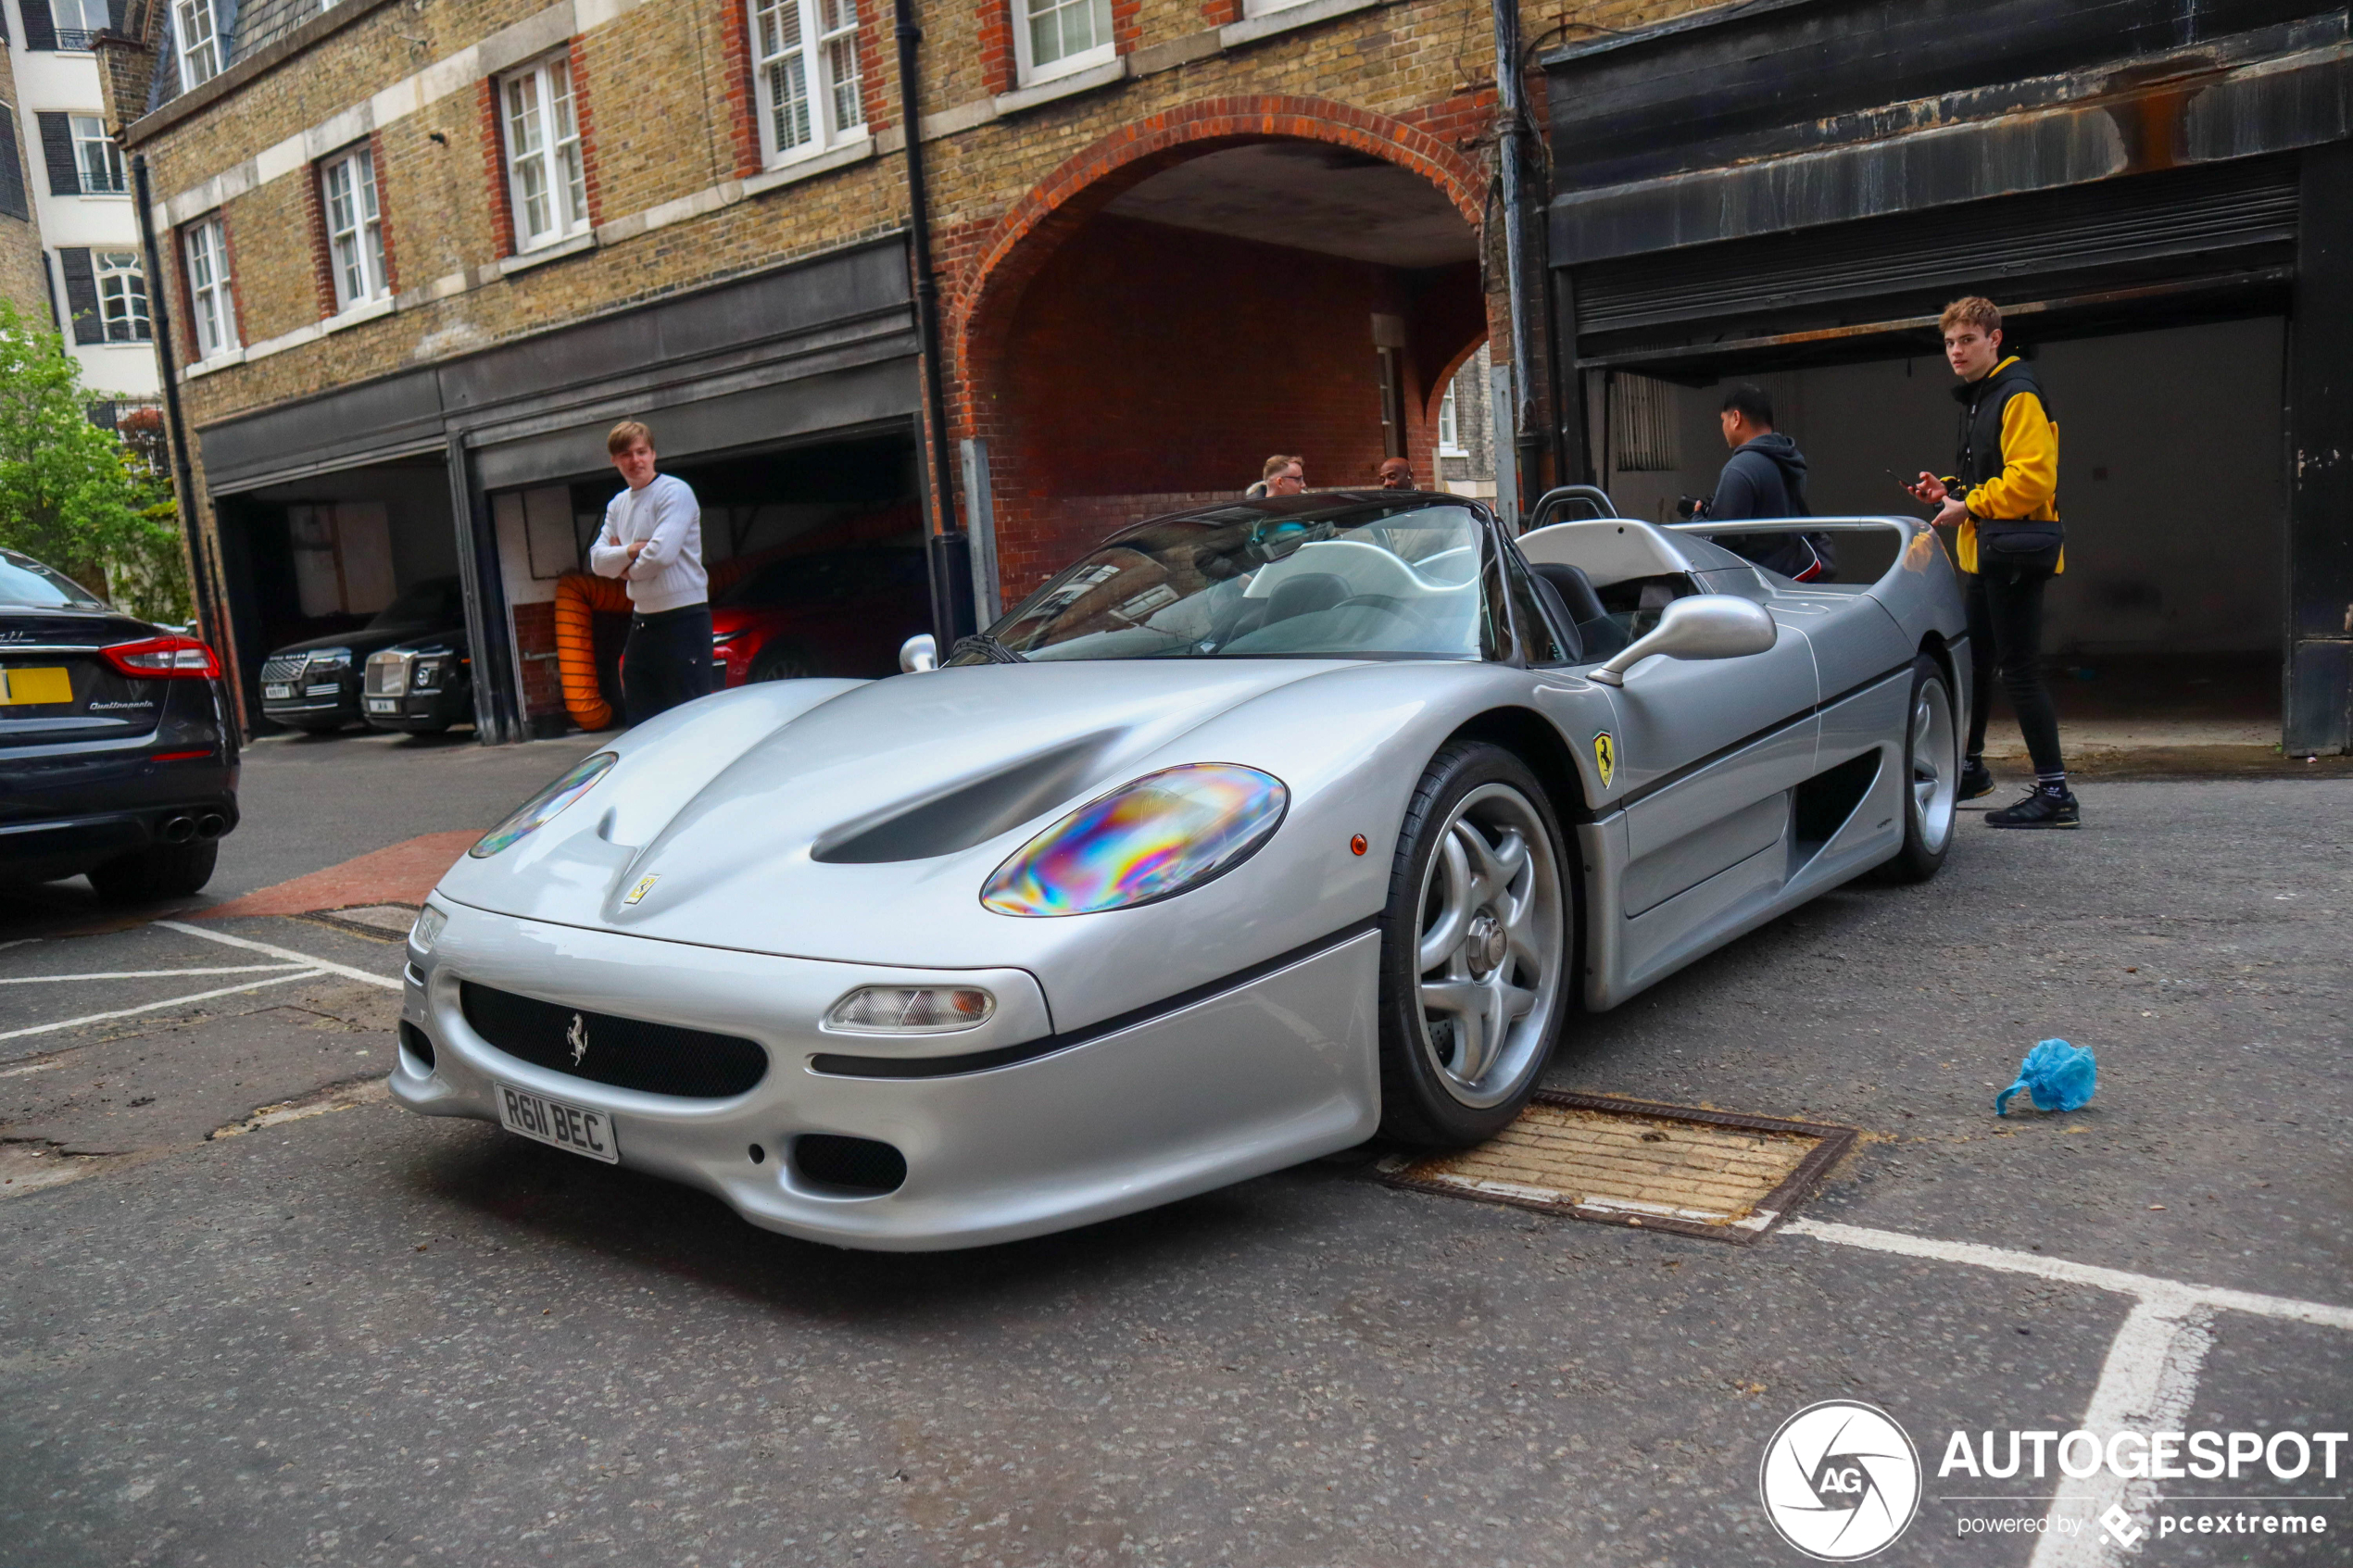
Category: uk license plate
[552,1122]
[383,704]
[20,686]
[276,693]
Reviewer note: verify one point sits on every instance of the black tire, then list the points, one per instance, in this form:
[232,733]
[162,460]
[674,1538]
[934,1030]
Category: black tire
[1932,774]
[781,661]
[161,871]
[1423,1101]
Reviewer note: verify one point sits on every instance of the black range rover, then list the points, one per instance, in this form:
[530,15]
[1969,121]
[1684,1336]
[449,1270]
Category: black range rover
[117,754]
[315,685]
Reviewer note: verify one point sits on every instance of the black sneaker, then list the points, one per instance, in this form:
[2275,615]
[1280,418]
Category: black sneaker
[1977,781]
[2039,810]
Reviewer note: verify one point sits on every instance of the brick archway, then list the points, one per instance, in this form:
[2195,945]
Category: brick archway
[999,261]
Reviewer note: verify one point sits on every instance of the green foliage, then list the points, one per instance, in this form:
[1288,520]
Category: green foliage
[76,496]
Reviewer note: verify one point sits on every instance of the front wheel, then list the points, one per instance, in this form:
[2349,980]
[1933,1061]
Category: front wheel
[1473,950]
[1932,774]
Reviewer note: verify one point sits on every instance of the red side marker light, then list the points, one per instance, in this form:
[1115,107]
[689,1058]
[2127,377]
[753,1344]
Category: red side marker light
[1357,845]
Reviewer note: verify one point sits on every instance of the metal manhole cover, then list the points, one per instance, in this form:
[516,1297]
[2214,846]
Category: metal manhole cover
[1630,1162]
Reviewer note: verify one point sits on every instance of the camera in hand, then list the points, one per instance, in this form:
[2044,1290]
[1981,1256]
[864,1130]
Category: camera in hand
[1688,508]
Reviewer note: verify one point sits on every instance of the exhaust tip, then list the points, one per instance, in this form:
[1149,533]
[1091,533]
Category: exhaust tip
[212,825]
[177,830]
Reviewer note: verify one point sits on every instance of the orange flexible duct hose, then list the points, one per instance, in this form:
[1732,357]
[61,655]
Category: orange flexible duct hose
[578,597]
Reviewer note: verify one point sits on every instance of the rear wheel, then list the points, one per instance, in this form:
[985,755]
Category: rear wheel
[161,871]
[1474,953]
[1931,777]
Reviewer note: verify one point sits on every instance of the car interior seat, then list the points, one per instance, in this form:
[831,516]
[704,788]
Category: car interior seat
[1597,634]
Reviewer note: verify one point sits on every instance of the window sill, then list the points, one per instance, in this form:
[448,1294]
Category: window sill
[220,361]
[809,168]
[523,261]
[1085,80]
[354,315]
[1250,29]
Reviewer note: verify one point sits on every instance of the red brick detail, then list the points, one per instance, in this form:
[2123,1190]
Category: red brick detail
[494,163]
[1182,426]
[877,60]
[1221,13]
[322,264]
[383,212]
[1127,26]
[736,88]
[535,633]
[577,59]
[993,39]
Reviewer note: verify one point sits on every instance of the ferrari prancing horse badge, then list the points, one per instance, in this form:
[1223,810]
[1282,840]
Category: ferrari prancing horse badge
[1604,756]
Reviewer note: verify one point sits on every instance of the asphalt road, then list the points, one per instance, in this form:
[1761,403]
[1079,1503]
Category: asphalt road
[343,1335]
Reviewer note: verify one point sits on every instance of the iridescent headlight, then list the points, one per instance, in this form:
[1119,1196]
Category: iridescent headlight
[534,813]
[1144,841]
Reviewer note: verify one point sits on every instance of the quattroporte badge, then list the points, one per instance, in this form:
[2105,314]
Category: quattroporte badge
[1604,756]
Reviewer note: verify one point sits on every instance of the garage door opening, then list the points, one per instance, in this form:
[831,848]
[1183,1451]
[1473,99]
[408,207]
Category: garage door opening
[2166,624]
[1199,311]
[816,559]
[319,571]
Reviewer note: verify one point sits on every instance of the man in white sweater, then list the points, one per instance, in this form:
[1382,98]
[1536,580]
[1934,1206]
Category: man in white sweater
[652,539]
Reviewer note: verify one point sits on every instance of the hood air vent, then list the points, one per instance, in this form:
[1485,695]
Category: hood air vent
[974,811]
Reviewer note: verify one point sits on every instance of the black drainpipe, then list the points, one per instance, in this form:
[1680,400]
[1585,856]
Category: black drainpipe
[212,621]
[1527,447]
[952,608]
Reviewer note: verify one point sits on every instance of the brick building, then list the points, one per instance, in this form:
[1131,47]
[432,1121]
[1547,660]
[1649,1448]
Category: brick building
[423,254]
[23,278]
[423,251]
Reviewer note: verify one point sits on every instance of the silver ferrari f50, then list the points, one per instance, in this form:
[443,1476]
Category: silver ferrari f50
[1258,832]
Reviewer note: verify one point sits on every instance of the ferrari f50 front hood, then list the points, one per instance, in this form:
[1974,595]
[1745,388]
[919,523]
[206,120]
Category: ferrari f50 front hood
[856,821]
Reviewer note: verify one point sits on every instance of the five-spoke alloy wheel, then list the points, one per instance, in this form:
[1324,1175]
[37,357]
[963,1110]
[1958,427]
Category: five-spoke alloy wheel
[1475,955]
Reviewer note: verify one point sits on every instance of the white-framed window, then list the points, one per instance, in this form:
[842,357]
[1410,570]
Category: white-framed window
[96,156]
[1055,38]
[805,67]
[122,294]
[195,27]
[1450,427]
[546,180]
[78,22]
[355,227]
[210,311]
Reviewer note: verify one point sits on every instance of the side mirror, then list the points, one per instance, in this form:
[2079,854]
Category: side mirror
[919,653]
[1701,626]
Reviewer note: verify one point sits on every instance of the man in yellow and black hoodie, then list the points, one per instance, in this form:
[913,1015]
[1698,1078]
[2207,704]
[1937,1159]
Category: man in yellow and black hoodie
[2003,498]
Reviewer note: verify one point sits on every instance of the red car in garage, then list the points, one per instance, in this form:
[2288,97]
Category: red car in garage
[829,612]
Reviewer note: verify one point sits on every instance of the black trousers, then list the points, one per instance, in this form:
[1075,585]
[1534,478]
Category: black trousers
[2005,604]
[666,661]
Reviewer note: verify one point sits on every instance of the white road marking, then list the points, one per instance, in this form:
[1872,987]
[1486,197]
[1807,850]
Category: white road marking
[222,936]
[140,973]
[154,1007]
[36,1067]
[2065,1273]
[2148,1383]
[19,942]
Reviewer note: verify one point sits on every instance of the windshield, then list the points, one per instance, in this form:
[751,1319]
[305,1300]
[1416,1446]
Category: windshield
[24,580]
[1346,581]
[427,603]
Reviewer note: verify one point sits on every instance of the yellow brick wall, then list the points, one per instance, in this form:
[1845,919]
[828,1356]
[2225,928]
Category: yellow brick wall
[660,128]
[24,279]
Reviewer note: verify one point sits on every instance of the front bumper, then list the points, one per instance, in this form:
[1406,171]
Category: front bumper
[420,711]
[1276,1070]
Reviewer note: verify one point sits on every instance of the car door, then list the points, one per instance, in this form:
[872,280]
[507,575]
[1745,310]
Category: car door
[1710,752]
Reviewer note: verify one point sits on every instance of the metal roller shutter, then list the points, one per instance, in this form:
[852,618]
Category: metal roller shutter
[2140,229]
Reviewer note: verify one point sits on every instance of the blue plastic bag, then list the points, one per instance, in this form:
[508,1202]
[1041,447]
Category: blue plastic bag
[2055,1076]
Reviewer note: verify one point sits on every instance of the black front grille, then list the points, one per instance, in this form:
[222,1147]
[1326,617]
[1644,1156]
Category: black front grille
[628,1053]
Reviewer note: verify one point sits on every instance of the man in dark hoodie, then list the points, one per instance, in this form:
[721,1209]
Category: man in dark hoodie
[1765,478]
